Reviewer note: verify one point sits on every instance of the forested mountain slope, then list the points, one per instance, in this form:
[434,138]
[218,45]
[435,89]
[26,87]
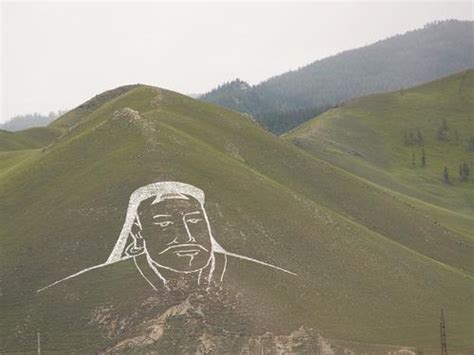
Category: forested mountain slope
[285,101]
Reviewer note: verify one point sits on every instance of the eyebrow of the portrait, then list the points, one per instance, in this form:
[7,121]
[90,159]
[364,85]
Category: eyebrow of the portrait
[192,213]
[161,215]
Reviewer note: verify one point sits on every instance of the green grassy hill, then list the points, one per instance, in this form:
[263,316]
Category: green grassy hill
[28,139]
[372,267]
[382,138]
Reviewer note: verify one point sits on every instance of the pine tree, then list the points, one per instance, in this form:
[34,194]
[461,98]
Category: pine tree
[444,125]
[419,138]
[456,136]
[423,158]
[443,131]
[405,138]
[463,171]
[470,145]
[466,171]
[446,175]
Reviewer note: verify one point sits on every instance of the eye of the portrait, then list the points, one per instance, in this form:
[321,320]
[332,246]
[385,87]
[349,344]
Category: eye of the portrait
[164,223]
[194,220]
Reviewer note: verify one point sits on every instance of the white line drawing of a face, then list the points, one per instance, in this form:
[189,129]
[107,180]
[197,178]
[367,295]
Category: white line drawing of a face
[167,225]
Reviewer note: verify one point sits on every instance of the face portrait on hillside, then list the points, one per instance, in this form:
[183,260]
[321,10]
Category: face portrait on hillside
[174,232]
[167,234]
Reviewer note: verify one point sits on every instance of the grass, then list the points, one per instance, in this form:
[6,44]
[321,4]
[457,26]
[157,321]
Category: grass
[366,136]
[9,160]
[31,138]
[363,255]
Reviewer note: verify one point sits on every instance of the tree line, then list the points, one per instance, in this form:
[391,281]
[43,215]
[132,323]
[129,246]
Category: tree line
[20,122]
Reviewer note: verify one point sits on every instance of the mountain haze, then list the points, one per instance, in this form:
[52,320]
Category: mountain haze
[63,207]
[23,122]
[285,101]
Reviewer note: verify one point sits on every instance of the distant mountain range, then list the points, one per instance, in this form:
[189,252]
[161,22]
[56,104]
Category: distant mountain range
[285,101]
[21,122]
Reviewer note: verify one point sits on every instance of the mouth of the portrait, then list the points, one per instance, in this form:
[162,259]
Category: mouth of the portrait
[186,251]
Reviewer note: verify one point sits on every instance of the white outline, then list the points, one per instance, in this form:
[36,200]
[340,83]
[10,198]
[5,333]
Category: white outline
[175,246]
[152,265]
[162,191]
[143,275]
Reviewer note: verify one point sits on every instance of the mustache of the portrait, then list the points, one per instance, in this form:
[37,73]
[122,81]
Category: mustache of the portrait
[188,247]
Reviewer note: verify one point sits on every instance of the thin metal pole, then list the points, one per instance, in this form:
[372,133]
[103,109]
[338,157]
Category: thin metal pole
[444,346]
[38,335]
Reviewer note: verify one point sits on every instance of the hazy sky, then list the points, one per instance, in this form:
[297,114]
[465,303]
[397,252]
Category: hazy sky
[56,55]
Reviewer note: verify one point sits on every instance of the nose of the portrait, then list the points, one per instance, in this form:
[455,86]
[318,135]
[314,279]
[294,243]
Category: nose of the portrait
[184,235]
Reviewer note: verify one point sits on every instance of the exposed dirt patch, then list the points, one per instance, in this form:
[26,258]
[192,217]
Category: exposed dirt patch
[146,126]
[100,99]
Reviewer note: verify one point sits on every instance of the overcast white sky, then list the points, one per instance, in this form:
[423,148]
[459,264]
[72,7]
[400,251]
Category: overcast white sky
[56,55]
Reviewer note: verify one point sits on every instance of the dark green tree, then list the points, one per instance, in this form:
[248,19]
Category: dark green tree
[444,124]
[405,138]
[446,175]
[423,158]
[443,131]
[470,145]
[419,138]
[465,170]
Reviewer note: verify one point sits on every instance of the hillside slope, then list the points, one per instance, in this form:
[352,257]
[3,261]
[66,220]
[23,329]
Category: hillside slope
[285,101]
[63,208]
[383,138]
[31,138]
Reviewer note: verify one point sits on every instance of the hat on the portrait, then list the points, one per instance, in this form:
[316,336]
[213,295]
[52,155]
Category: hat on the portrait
[161,191]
